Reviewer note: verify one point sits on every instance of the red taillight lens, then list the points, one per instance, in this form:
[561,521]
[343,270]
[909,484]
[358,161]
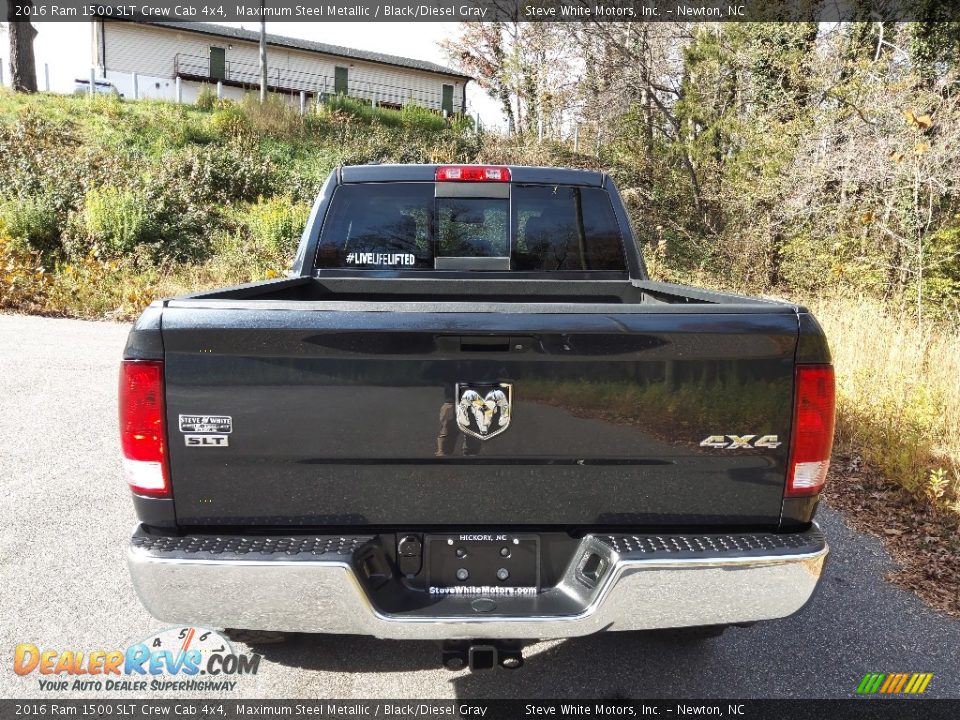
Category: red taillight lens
[142,427]
[811,438]
[472,173]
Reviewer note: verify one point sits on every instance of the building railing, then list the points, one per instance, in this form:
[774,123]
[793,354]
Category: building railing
[281,79]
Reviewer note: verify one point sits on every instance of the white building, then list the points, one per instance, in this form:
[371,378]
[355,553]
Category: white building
[201,54]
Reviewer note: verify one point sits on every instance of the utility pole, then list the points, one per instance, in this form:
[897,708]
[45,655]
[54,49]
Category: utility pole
[263,54]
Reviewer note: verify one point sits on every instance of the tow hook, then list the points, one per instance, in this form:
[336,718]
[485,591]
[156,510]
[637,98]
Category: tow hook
[481,655]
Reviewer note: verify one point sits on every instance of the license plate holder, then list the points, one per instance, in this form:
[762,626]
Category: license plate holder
[484,557]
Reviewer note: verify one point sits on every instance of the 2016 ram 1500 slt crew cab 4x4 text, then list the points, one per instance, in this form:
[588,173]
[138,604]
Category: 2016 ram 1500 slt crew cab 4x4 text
[469,415]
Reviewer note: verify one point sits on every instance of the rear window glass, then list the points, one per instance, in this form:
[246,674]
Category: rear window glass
[402,226]
[562,227]
[473,227]
[379,225]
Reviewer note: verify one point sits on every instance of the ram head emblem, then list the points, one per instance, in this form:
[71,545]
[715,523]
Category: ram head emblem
[483,411]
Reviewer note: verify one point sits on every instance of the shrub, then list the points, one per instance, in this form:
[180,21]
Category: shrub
[34,222]
[303,184]
[277,223]
[237,258]
[462,124]
[191,131]
[42,164]
[206,99]
[348,106]
[941,275]
[183,220]
[411,116]
[225,173]
[143,209]
[420,118]
[276,117]
[158,220]
[229,120]
[117,220]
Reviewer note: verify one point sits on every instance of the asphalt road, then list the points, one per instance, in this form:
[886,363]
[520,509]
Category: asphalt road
[66,517]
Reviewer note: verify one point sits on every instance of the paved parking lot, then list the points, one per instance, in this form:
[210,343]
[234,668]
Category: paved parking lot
[67,516]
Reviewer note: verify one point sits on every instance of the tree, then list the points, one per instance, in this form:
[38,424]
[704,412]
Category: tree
[934,47]
[525,66]
[23,66]
[481,50]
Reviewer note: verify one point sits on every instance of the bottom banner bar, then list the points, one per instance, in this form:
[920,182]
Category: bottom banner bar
[127,709]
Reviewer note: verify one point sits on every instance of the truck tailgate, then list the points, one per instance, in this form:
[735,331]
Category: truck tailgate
[346,418]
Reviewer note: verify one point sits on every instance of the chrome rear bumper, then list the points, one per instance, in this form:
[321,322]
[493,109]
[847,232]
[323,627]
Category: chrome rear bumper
[317,584]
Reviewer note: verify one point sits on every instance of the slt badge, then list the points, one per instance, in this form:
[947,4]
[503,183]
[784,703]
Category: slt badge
[483,410]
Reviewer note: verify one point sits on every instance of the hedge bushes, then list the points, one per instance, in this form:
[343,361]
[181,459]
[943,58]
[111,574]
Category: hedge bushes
[277,223]
[118,220]
[105,205]
[33,222]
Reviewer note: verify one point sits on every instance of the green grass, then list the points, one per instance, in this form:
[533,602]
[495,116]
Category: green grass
[149,130]
[107,204]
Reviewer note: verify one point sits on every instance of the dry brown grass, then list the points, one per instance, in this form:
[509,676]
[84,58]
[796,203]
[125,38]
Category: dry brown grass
[898,398]
[89,287]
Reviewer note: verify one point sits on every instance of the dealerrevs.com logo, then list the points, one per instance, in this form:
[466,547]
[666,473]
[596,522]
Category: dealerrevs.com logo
[177,659]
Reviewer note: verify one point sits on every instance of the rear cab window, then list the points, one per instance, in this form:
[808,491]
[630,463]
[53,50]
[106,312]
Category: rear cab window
[538,228]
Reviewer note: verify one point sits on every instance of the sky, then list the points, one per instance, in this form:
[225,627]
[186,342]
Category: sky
[65,48]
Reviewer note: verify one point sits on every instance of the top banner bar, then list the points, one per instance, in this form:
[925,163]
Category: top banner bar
[577,11]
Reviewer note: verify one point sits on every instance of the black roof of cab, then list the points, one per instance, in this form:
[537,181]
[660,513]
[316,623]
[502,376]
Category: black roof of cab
[427,173]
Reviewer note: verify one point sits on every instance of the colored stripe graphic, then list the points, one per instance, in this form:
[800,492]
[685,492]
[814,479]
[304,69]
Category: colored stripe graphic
[870,683]
[900,682]
[894,683]
[889,683]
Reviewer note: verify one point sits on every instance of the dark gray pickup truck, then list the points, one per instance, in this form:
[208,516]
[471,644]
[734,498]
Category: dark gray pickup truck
[469,415]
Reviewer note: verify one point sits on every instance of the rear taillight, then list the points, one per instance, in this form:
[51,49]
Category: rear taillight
[142,427]
[811,438]
[472,173]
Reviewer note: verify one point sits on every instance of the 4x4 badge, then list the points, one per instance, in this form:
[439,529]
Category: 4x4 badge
[741,442]
[483,409]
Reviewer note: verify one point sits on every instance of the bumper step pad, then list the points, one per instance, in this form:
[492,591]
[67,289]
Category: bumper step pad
[305,547]
[707,545]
